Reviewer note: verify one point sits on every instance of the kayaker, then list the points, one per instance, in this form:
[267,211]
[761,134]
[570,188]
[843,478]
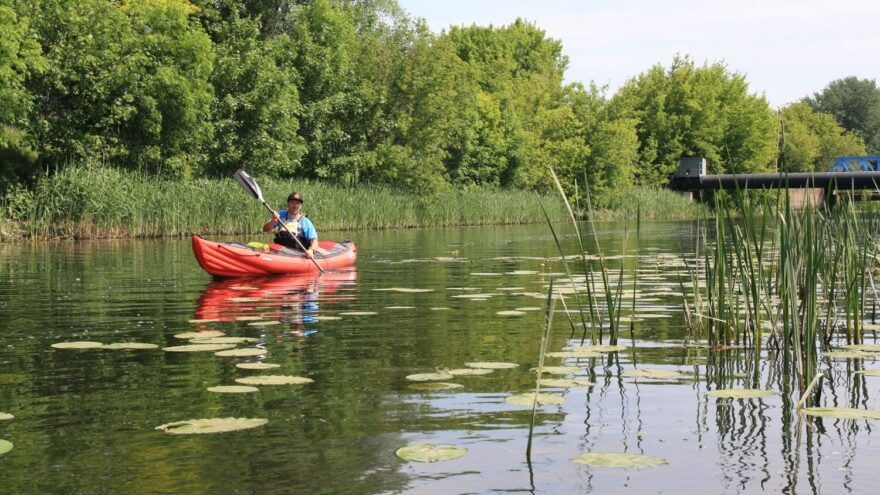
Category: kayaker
[296,223]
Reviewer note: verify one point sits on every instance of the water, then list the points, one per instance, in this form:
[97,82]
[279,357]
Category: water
[85,419]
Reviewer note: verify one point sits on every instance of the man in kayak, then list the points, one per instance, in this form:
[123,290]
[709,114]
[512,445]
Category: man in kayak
[297,223]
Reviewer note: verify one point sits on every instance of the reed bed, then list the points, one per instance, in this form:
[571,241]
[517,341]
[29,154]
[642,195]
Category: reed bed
[762,276]
[83,202]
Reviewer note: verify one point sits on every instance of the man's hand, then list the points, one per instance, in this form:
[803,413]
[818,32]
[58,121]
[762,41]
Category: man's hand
[310,253]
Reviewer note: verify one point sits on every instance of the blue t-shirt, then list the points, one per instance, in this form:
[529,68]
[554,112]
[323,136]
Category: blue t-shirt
[304,230]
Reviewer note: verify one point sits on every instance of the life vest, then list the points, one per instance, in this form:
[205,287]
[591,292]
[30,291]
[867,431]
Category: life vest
[295,226]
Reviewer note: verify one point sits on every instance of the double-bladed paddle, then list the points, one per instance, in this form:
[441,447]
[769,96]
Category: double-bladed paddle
[250,185]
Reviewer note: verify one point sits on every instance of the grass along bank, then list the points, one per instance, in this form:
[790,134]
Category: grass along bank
[79,202]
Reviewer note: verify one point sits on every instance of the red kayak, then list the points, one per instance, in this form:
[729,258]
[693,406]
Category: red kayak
[234,259]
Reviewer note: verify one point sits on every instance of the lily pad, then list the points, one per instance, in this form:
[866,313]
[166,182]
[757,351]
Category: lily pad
[233,389]
[469,371]
[204,320]
[491,365]
[618,460]
[429,377]
[510,313]
[428,386]
[80,344]
[861,347]
[248,318]
[400,307]
[528,398]
[358,313]
[430,452]
[265,323]
[273,380]
[5,446]
[5,416]
[199,335]
[222,340]
[257,366]
[242,299]
[574,354]
[530,308]
[198,348]
[130,346]
[740,393]
[327,318]
[561,383]
[405,290]
[848,355]
[841,413]
[558,370]
[655,373]
[250,351]
[211,425]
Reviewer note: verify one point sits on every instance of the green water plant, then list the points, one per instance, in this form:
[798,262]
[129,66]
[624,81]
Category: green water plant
[430,452]
[210,425]
[618,460]
[5,446]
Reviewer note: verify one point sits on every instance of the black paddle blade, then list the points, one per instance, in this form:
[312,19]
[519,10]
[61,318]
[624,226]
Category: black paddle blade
[248,184]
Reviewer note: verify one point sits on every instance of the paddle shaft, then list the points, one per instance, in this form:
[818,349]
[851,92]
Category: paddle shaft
[292,234]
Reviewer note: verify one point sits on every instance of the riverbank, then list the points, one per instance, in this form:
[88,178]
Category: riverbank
[83,203]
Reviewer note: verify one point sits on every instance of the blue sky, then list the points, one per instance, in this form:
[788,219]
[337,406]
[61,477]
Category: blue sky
[787,49]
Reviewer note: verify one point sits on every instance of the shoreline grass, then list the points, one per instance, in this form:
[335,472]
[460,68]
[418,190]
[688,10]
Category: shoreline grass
[91,203]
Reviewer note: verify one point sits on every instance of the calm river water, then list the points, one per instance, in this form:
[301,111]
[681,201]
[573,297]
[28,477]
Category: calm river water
[419,301]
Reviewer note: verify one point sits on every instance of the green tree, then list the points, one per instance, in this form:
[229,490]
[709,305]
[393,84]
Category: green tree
[812,140]
[855,103]
[696,111]
[126,83]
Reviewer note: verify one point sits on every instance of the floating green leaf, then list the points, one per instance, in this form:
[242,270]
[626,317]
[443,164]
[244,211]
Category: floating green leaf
[429,377]
[80,344]
[491,365]
[841,412]
[434,386]
[198,348]
[528,398]
[242,299]
[429,452]
[257,366]
[740,393]
[264,323]
[130,346]
[250,351]
[204,320]
[273,380]
[655,373]
[557,382]
[861,347]
[358,313]
[5,446]
[400,307]
[510,313]
[233,389]
[5,416]
[618,460]
[558,370]
[199,335]
[249,318]
[404,289]
[574,354]
[222,340]
[327,318]
[469,371]
[211,425]
[848,354]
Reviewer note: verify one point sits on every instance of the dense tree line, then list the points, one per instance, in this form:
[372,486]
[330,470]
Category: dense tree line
[356,91]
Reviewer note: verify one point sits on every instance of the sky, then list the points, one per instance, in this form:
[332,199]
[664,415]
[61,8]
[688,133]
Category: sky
[787,49]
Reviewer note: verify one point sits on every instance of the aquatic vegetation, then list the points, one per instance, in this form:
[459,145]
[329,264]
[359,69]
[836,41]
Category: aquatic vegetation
[199,335]
[558,370]
[274,380]
[491,365]
[741,393]
[562,383]
[404,290]
[429,386]
[5,446]
[257,366]
[222,340]
[429,452]
[618,460]
[6,416]
[265,323]
[233,389]
[428,377]
[358,313]
[655,373]
[510,313]
[81,344]
[211,425]
[251,351]
[469,371]
[130,346]
[841,413]
[198,348]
